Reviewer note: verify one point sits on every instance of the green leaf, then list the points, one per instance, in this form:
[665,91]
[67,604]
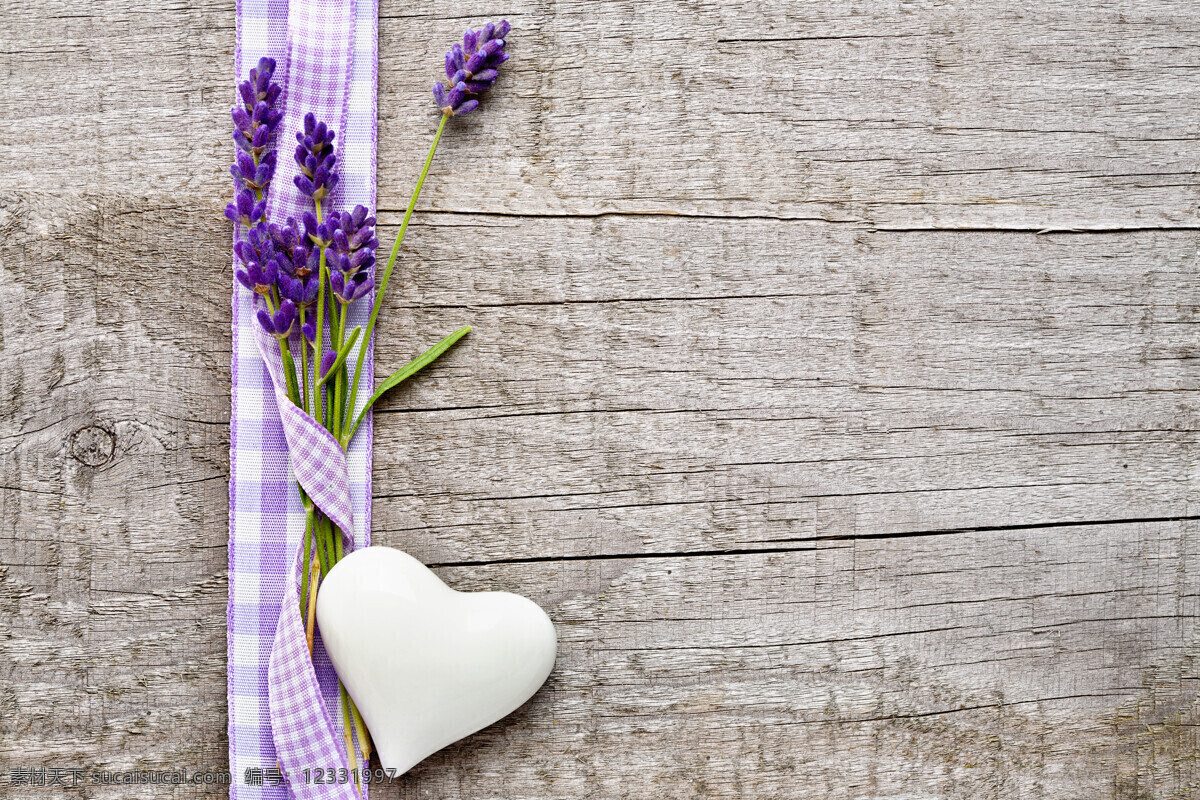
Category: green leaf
[407,371]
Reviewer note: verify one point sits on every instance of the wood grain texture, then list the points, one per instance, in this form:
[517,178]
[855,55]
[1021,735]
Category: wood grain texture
[833,386]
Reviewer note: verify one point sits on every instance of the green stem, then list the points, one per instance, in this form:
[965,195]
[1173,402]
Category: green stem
[304,363]
[339,393]
[290,372]
[387,272]
[329,546]
[308,526]
[351,758]
[289,363]
[319,342]
[364,736]
[319,542]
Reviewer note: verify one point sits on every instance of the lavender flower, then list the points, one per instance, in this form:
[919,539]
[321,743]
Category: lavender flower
[253,123]
[352,236]
[301,291]
[247,174]
[349,287]
[320,234]
[298,257]
[280,323]
[245,209]
[471,68]
[258,277]
[256,119]
[257,246]
[316,158]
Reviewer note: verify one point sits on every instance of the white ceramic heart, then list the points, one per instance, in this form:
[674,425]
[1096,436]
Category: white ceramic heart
[425,664]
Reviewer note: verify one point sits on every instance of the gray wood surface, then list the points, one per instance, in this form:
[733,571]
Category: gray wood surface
[833,386]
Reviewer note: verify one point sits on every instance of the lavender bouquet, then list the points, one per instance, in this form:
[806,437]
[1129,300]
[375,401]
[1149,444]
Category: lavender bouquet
[308,274]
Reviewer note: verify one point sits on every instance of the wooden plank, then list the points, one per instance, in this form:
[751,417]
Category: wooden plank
[898,114]
[1054,115]
[829,491]
[908,667]
[635,389]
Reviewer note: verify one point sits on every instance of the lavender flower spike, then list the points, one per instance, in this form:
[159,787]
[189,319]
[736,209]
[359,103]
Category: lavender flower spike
[257,117]
[316,158]
[353,240]
[471,68]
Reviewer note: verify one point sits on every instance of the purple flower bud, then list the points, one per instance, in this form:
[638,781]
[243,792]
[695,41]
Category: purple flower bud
[244,252]
[259,140]
[245,165]
[309,331]
[284,236]
[260,239]
[364,238]
[337,262]
[363,259]
[248,94]
[259,115]
[475,63]
[309,220]
[363,285]
[241,120]
[348,288]
[245,210]
[300,291]
[280,324]
[327,362]
[258,277]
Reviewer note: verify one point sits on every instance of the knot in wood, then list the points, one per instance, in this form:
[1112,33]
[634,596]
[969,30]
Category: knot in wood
[93,445]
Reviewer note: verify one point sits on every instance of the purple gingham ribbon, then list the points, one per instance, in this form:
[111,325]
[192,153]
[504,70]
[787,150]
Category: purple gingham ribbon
[283,706]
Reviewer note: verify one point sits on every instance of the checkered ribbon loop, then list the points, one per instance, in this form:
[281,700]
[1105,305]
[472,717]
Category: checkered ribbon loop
[318,460]
[283,703]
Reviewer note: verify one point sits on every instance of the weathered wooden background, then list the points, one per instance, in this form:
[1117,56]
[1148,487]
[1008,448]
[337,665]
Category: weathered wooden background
[834,386]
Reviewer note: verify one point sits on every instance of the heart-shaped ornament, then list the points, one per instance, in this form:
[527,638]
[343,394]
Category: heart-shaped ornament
[425,664]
